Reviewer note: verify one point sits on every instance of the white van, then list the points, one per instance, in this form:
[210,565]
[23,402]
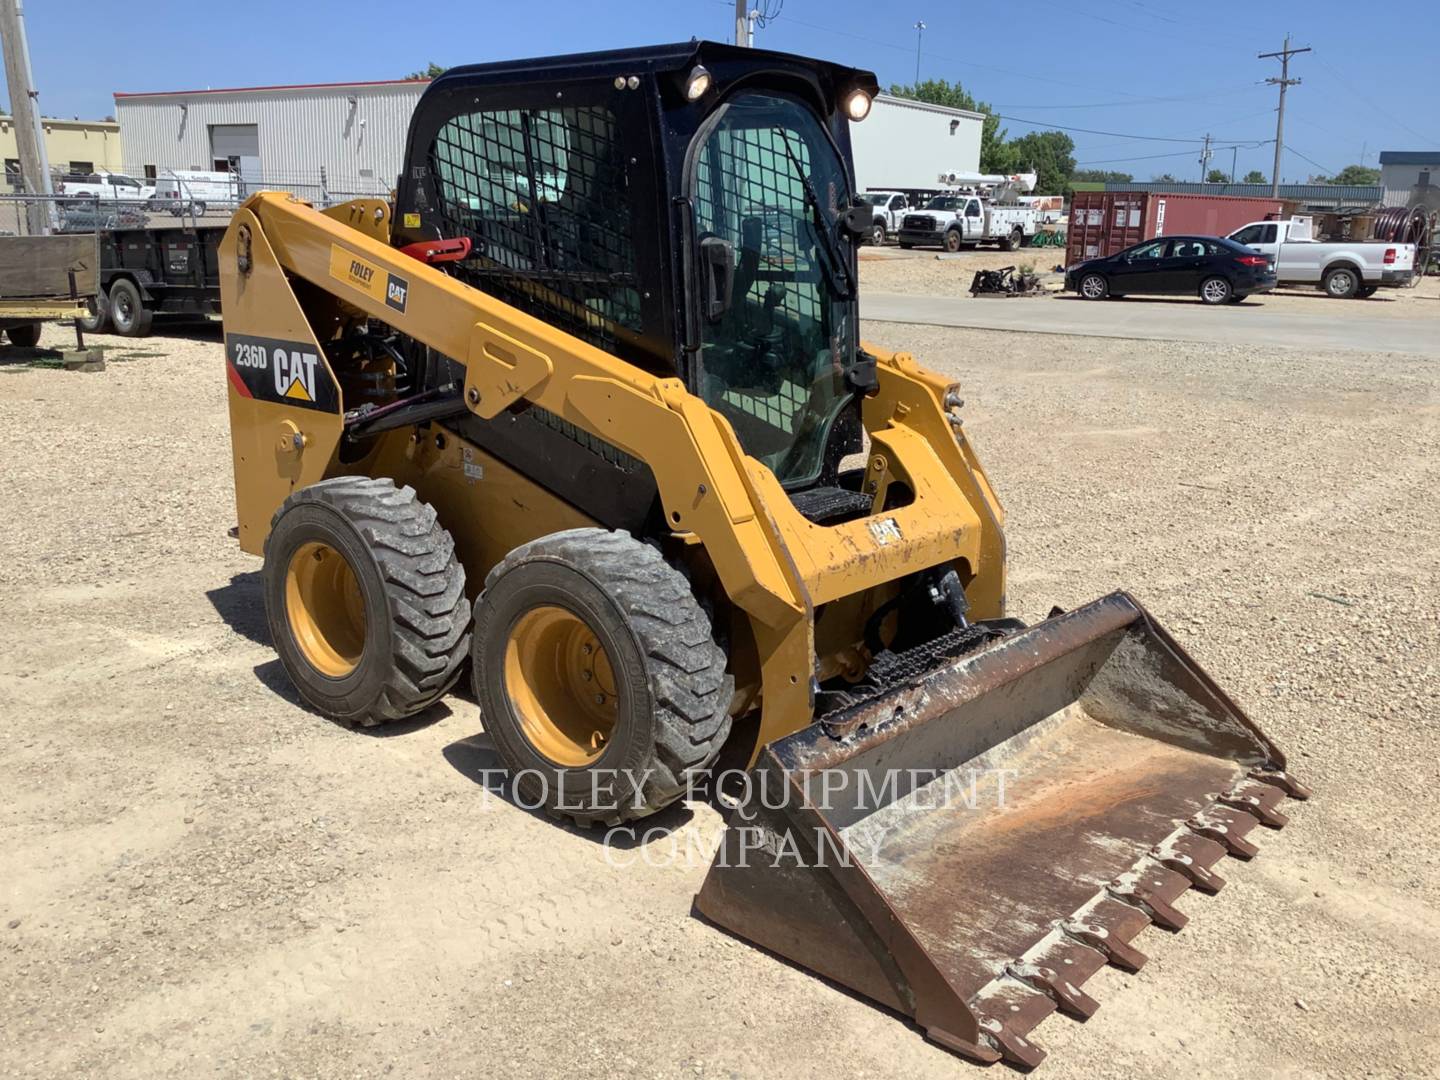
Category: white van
[189,191]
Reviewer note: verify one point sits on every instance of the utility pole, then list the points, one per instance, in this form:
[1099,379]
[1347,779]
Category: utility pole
[1234,154]
[919,36]
[29,139]
[742,24]
[1284,82]
[1205,156]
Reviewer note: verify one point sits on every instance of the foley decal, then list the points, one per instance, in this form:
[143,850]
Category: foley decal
[374,281]
[290,372]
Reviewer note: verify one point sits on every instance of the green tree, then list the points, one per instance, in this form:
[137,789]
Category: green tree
[1255,176]
[1101,176]
[1163,178]
[994,156]
[1217,176]
[1352,174]
[431,70]
[1051,154]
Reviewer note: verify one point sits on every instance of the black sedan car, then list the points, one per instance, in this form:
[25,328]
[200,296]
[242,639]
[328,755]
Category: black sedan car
[1217,270]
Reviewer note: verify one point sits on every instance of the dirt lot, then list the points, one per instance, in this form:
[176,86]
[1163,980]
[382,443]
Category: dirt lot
[891,270]
[201,877]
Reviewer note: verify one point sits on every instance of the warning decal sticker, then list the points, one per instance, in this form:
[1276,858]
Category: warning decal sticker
[270,369]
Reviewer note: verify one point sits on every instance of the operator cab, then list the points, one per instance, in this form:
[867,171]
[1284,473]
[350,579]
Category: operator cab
[688,208]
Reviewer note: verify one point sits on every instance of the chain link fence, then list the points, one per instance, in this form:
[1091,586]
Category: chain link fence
[90,203]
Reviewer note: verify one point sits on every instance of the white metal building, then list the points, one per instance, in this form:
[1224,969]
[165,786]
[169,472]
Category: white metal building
[348,137]
[1405,174]
[910,144]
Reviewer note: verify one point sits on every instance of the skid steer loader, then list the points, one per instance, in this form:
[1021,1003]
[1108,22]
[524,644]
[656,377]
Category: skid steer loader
[584,405]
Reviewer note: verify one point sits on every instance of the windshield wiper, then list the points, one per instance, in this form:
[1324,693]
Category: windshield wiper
[837,266]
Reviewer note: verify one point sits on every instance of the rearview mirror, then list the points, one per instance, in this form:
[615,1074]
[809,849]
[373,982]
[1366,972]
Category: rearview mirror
[717,276]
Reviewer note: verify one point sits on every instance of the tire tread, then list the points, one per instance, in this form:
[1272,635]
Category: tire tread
[686,668]
[424,585]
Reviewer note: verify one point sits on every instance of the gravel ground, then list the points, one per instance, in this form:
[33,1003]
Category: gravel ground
[892,270]
[203,877]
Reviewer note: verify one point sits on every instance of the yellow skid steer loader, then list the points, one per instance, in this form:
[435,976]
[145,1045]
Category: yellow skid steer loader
[584,404]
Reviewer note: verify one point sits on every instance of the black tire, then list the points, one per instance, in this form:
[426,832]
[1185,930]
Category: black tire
[1093,286]
[1216,290]
[953,240]
[1342,283]
[1366,291]
[128,313]
[24,336]
[1013,241]
[198,209]
[670,711]
[96,319]
[906,246]
[407,585]
[878,234]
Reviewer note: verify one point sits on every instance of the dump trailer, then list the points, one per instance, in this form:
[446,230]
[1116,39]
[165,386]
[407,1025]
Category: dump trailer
[586,407]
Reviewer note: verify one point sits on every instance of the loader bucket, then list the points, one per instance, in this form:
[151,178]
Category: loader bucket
[973,844]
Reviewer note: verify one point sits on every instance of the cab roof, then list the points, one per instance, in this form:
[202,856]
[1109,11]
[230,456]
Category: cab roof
[658,60]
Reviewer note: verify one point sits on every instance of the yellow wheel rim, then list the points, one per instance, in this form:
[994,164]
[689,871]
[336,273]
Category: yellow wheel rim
[325,609]
[561,685]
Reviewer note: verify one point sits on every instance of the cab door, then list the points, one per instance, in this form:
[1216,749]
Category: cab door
[974,222]
[898,206]
[1140,269]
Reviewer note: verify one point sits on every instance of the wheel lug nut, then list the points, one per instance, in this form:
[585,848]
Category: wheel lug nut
[587,675]
[587,648]
[599,699]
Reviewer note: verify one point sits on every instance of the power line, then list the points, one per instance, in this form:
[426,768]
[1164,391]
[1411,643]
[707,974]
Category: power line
[1360,94]
[1312,161]
[1092,131]
[1206,98]
[1171,154]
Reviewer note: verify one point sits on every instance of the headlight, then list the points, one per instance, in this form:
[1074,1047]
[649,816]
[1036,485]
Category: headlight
[857,105]
[697,83]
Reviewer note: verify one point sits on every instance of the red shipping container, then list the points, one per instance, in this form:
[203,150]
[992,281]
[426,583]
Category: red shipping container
[1104,222]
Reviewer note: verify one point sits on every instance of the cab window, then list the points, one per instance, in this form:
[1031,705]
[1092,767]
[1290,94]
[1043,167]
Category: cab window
[543,195]
[972,209]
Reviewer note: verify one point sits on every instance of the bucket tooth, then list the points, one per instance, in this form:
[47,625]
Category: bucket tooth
[1227,827]
[1154,892]
[1192,855]
[1120,953]
[1283,780]
[1259,800]
[1068,997]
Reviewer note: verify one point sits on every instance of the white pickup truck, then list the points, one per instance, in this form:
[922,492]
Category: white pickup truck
[889,206]
[107,187]
[956,221]
[1343,270]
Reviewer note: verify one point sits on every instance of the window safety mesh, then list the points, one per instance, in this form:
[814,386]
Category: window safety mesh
[542,194]
[771,362]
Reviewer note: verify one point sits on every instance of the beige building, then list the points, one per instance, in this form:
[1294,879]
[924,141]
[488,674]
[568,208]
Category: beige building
[73,146]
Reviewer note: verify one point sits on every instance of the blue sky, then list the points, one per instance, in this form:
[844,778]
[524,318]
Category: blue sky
[1166,70]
